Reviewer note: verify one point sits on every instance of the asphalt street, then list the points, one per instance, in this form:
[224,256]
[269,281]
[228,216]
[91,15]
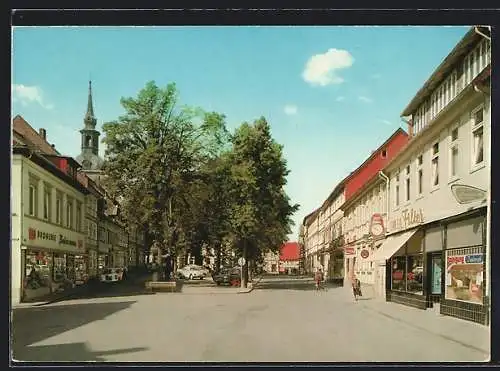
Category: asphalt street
[281,320]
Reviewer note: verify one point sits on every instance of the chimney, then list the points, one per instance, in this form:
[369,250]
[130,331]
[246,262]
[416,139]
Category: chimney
[43,133]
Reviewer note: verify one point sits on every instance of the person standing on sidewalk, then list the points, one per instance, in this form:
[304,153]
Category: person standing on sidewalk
[318,278]
[356,287]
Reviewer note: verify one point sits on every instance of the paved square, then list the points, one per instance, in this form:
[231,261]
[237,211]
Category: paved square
[282,320]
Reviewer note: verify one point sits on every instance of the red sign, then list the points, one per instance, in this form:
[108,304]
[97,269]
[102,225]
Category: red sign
[31,233]
[398,275]
[349,251]
[377,225]
[456,260]
[365,253]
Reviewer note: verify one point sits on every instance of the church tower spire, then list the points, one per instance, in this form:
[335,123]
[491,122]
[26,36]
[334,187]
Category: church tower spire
[89,156]
[90,120]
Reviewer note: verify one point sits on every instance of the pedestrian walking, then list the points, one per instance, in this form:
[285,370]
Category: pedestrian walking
[318,278]
[356,287]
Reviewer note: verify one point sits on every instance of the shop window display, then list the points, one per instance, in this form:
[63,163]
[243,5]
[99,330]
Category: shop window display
[60,278]
[81,275]
[414,275]
[464,274]
[37,274]
[398,273]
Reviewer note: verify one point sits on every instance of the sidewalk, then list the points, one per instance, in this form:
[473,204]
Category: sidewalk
[134,281]
[467,333]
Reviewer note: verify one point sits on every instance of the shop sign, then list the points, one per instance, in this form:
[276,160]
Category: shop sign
[465,259]
[377,228]
[407,219]
[365,253]
[56,238]
[349,251]
[65,241]
[33,234]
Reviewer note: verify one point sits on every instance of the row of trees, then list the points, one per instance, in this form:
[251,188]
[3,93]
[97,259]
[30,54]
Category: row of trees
[181,175]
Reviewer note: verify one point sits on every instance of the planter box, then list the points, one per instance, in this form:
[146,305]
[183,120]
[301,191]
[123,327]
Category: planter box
[163,286]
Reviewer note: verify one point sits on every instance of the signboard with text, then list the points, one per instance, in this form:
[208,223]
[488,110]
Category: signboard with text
[408,218]
[40,234]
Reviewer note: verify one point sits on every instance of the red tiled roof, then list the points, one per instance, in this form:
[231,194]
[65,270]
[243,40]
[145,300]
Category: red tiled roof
[290,251]
[21,127]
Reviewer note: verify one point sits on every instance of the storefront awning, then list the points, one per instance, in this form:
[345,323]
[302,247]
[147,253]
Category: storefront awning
[391,245]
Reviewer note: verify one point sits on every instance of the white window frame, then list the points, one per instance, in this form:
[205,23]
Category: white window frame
[78,216]
[419,167]
[397,201]
[59,208]
[69,213]
[407,185]
[454,145]
[475,128]
[47,202]
[434,172]
[33,199]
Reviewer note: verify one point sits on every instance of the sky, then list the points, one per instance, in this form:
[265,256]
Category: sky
[331,94]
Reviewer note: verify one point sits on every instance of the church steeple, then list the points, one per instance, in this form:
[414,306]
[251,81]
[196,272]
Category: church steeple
[90,120]
[89,157]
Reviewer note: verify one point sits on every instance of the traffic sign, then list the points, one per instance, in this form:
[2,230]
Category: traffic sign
[241,261]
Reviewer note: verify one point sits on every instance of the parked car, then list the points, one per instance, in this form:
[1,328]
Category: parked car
[228,276]
[192,271]
[111,275]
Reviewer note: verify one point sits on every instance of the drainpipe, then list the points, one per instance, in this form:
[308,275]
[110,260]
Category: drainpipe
[382,175]
[476,30]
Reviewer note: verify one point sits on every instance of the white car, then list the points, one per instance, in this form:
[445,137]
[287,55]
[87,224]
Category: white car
[111,275]
[192,271]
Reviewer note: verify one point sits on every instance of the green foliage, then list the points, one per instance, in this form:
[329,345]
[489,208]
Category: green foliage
[153,151]
[179,172]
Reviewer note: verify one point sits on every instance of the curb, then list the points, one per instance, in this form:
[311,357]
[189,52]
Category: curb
[249,290]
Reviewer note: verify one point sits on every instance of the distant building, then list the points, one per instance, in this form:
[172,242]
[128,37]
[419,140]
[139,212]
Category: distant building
[271,262]
[289,259]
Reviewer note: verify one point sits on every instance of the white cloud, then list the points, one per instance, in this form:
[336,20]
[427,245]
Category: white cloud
[365,99]
[376,76]
[290,109]
[340,99]
[29,94]
[322,69]
[387,122]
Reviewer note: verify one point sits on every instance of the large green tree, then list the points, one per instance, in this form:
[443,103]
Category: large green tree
[153,151]
[260,215]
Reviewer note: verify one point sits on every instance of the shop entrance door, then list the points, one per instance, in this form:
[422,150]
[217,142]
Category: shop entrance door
[436,261]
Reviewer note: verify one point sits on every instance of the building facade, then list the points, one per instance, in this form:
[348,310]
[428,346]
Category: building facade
[48,239]
[271,262]
[289,258]
[437,246]
[361,204]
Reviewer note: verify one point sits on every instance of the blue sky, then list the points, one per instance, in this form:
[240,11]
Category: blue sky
[331,94]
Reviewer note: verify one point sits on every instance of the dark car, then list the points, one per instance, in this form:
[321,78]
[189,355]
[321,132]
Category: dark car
[228,276]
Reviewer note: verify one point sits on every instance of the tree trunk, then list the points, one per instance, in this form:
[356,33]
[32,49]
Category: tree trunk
[218,256]
[244,272]
[250,271]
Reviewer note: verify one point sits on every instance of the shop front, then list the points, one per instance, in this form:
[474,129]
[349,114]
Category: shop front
[405,270]
[440,265]
[337,266]
[464,283]
[51,259]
